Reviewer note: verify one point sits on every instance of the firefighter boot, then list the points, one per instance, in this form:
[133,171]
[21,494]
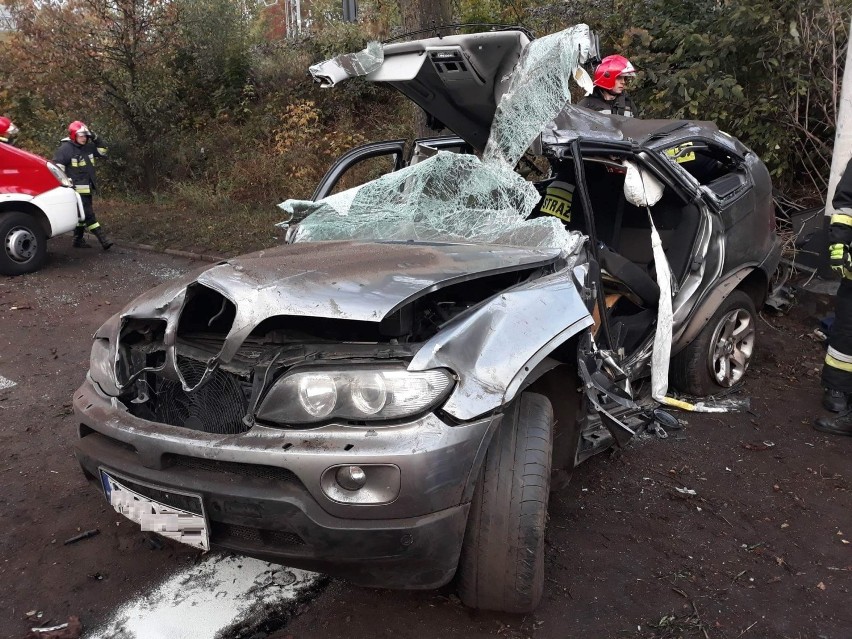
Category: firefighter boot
[79,240]
[834,400]
[839,425]
[102,238]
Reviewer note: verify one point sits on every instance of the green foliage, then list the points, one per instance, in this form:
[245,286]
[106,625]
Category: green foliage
[763,70]
[207,106]
[212,57]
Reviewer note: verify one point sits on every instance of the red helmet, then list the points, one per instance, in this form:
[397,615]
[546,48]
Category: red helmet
[7,129]
[76,127]
[610,68]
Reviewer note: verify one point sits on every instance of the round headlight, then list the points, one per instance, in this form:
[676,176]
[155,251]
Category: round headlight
[369,393]
[317,394]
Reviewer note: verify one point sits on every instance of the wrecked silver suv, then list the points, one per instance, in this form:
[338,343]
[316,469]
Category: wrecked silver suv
[384,397]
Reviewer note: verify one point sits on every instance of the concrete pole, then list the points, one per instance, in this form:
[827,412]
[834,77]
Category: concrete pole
[843,137]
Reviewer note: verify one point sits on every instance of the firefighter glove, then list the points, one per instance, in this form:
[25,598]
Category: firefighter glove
[840,259]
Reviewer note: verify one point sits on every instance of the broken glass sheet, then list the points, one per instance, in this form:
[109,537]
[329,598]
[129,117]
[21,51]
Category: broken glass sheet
[458,197]
[538,90]
[448,197]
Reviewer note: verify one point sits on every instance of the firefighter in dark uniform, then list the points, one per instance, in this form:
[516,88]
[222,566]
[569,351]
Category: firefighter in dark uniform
[837,369]
[8,131]
[77,155]
[609,96]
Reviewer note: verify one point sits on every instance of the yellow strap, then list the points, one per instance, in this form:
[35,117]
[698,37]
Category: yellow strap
[94,226]
[686,157]
[839,218]
[677,403]
[836,363]
[83,189]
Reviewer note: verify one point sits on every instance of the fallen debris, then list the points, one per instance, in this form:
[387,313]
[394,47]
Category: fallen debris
[782,299]
[759,446]
[82,536]
[72,629]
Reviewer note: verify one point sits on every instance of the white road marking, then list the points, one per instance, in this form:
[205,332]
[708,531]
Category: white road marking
[201,601]
[6,383]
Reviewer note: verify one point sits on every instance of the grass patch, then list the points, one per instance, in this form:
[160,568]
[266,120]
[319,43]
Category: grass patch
[219,228]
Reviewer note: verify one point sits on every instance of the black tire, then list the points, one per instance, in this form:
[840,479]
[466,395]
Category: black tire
[699,369]
[23,244]
[502,561]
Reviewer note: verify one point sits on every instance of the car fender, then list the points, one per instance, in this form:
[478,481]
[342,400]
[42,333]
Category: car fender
[494,348]
[708,306]
[58,210]
[62,207]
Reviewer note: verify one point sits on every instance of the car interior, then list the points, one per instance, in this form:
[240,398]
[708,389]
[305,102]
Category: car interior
[624,237]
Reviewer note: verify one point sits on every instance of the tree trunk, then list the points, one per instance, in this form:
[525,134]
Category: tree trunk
[424,14]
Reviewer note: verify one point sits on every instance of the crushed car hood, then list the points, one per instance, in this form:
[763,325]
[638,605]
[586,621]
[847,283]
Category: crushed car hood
[345,280]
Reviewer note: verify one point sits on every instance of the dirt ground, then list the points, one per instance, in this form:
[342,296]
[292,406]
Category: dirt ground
[763,548]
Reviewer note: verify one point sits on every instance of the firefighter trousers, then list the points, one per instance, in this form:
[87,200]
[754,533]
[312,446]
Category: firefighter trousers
[837,369]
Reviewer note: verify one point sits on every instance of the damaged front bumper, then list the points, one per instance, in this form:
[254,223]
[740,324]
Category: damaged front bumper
[270,493]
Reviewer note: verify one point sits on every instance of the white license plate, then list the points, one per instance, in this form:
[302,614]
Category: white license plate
[181,525]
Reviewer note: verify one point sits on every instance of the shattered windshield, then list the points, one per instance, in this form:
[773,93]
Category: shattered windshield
[459,197]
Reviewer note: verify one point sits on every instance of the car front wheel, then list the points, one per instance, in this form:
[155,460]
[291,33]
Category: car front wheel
[719,356]
[502,561]
[23,244]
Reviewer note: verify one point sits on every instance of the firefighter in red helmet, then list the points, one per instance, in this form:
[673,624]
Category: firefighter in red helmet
[609,95]
[8,130]
[77,155]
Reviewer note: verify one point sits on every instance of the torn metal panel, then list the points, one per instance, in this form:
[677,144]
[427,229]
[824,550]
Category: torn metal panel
[348,65]
[498,344]
[603,393]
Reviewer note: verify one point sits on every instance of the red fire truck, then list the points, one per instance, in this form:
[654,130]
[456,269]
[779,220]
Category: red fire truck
[37,201]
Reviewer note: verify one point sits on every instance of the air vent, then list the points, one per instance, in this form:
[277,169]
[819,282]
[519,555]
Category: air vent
[222,533]
[258,471]
[448,62]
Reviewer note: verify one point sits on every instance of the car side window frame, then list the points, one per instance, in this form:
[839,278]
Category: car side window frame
[378,149]
[717,197]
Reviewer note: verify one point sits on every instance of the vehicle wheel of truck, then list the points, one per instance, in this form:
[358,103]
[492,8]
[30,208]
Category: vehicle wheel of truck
[719,356]
[24,244]
[502,561]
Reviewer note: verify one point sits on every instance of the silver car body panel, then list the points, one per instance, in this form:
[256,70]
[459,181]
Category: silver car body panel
[343,280]
[431,455]
[503,340]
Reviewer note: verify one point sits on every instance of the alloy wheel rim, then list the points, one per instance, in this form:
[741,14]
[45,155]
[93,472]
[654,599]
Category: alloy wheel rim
[731,347]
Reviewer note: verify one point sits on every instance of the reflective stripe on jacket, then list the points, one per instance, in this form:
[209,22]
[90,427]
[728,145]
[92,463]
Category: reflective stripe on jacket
[78,162]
